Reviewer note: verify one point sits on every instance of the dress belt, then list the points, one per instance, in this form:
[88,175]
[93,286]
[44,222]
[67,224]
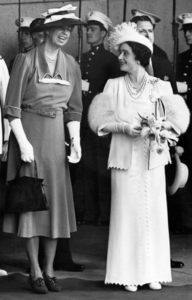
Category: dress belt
[49,114]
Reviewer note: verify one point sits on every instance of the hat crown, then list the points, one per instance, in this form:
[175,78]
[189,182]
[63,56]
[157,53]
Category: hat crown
[127,32]
[185,18]
[138,12]
[57,14]
[99,17]
[23,21]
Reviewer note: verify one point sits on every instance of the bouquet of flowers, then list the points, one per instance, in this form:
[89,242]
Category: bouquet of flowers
[160,138]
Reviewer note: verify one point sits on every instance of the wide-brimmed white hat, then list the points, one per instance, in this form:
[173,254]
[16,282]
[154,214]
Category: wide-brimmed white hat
[181,176]
[127,32]
[60,16]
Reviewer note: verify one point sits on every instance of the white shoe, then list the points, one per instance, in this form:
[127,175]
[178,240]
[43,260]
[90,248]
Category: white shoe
[131,288]
[3,273]
[155,286]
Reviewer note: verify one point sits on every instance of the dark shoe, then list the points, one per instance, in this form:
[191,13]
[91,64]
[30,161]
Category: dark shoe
[38,285]
[80,222]
[176,264]
[69,266]
[52,284]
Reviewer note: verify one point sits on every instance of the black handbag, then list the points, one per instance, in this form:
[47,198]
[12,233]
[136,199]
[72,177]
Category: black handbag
[24,194]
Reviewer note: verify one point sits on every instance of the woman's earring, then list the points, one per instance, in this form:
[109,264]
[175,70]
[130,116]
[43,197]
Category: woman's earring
[138,62]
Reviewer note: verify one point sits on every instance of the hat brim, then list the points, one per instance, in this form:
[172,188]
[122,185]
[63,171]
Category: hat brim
[124,39]
[62,22]
[181,176]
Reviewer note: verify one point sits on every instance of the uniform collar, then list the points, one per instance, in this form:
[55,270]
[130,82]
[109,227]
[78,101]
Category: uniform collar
[43,68]
[97,48]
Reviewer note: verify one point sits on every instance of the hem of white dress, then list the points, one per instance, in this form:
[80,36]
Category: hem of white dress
[138,283]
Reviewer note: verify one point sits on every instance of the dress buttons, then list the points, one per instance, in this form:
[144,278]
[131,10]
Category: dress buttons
[189,89]
[186,66]
[87,73]
[87,65]
[89,58]
[92,53]
[90,92]
[184,74]
[190,61]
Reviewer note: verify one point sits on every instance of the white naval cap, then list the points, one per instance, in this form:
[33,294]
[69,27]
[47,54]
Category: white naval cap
[24,22]
[185,18]
[99,17]
[138,12]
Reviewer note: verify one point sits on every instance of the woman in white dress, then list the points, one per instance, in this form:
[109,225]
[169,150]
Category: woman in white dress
[138,249]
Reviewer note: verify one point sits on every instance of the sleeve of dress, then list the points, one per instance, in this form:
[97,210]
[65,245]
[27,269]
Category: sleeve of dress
[4,79]
[17,86]
[75,106]
[177,112]
[101,110]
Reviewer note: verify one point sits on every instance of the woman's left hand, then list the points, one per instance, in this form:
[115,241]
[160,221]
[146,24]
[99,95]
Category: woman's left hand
[4,152]
[75,154]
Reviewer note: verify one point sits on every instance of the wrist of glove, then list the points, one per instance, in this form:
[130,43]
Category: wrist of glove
[75,150]
[26,150]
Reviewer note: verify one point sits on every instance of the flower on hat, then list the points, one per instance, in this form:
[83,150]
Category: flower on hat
[127,32]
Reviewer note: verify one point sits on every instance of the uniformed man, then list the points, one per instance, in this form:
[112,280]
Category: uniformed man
[184,67]
[159,67]
[92,196]
[157,51]
[36,32]
[184,77]
[24,36]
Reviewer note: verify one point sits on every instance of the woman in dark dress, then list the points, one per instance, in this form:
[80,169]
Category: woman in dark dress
[44,93]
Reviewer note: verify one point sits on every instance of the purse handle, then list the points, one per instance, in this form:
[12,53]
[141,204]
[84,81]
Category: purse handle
[35,170]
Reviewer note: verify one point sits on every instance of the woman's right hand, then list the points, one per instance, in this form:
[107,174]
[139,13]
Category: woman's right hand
[132,130]
[26,150]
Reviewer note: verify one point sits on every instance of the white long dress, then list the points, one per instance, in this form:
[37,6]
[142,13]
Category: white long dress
[138,249]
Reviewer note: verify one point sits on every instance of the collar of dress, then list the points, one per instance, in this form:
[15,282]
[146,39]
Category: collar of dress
[60,73]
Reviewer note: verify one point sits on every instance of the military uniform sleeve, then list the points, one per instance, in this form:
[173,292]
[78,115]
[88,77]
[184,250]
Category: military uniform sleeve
[75,107]
[17,86]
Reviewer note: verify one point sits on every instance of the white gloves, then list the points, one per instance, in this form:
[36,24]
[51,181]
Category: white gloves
[74,133]
[26,148]
[132,130]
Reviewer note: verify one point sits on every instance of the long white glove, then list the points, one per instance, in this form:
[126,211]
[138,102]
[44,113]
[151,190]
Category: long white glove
[75,147]
[26,148]
[132,130]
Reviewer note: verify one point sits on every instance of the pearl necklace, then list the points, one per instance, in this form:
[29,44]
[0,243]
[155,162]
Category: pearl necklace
[135,92]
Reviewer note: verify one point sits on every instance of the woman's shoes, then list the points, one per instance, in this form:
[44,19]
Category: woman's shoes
[52,284]
[38,285]
[131,288]
[155,286]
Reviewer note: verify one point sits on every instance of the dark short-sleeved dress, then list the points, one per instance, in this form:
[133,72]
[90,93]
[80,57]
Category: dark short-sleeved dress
[43,109]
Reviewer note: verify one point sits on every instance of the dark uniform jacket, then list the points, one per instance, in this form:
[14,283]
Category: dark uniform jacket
[184,72]
[163,69]
[97,66]
[157,51]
